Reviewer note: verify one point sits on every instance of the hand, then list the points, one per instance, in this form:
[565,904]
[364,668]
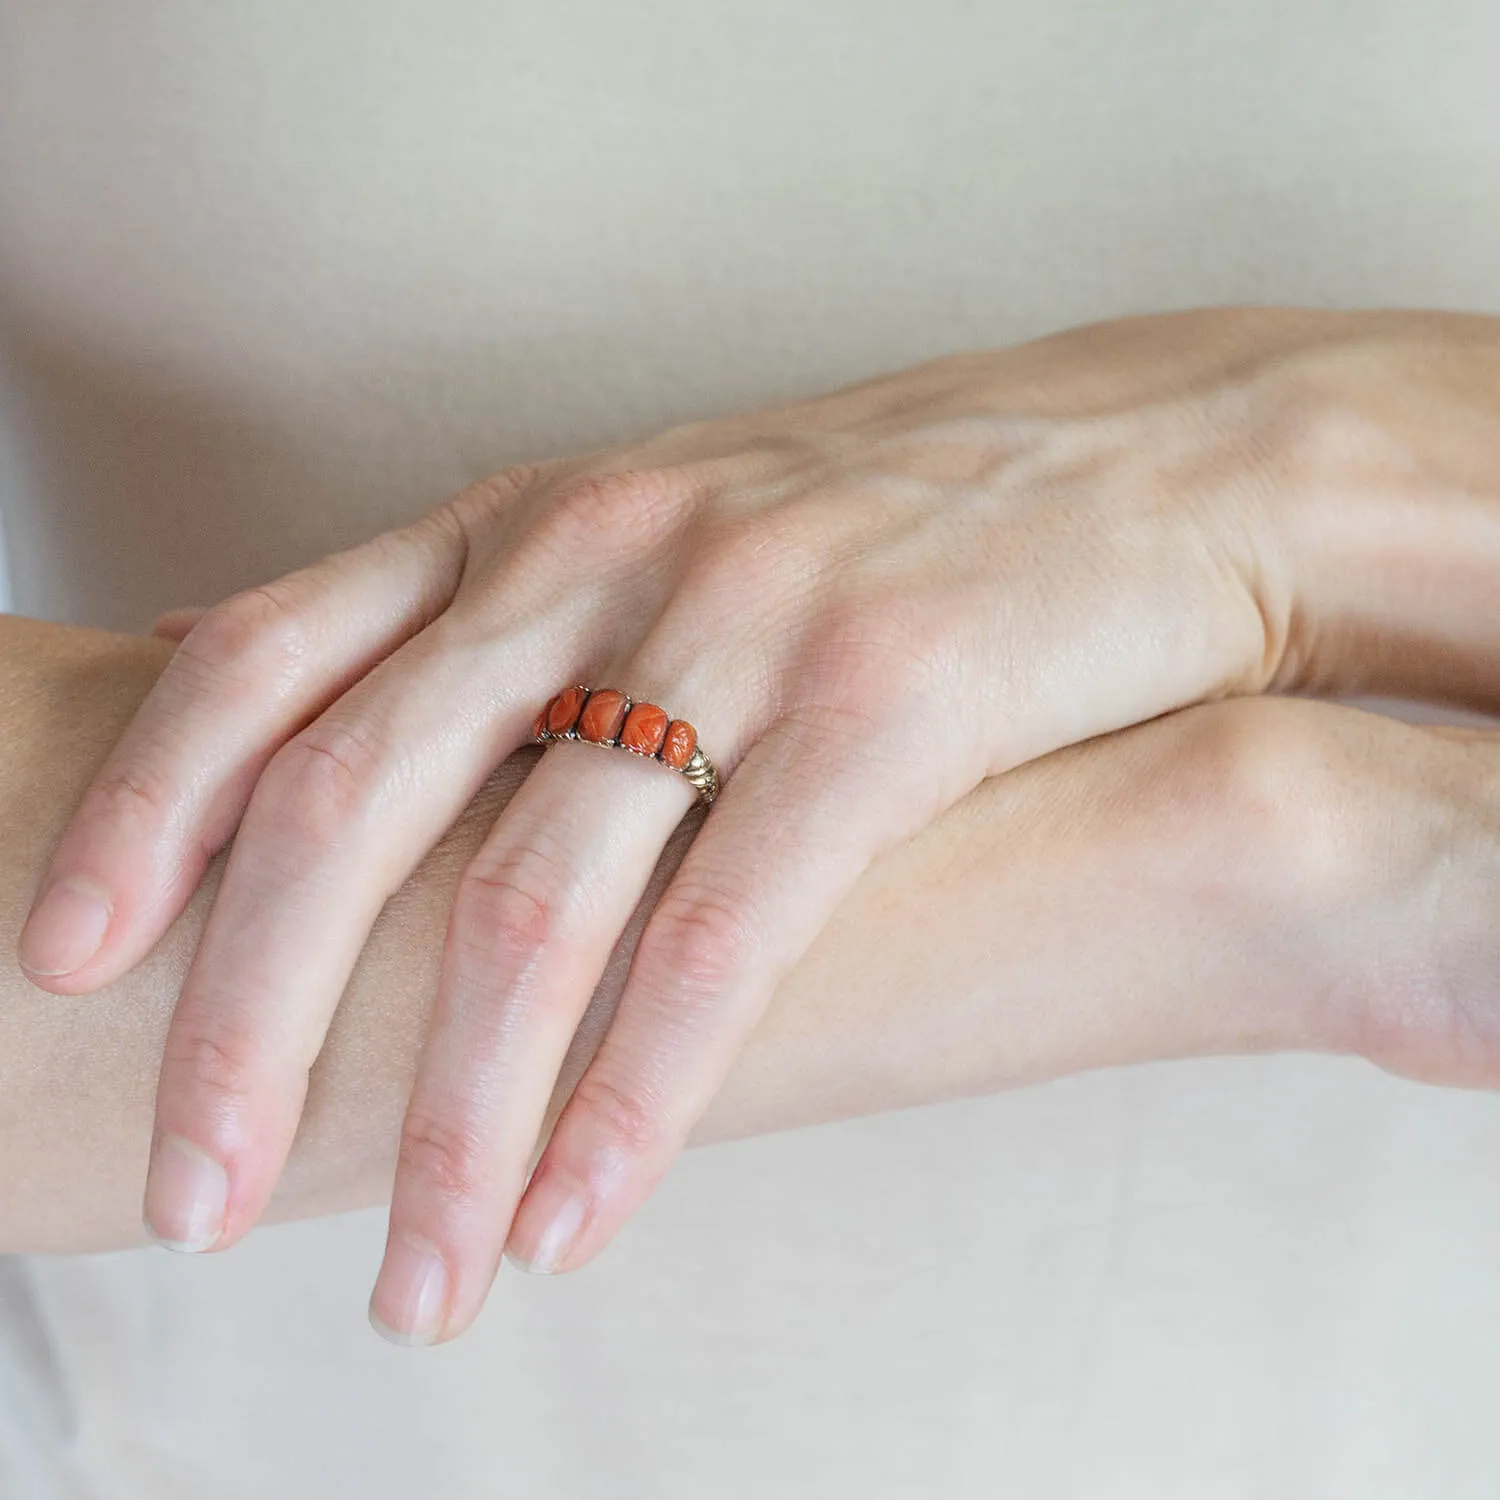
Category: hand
[1262,874]
[866,603]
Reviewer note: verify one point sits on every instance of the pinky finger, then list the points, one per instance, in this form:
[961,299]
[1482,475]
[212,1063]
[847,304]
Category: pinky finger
[724,931]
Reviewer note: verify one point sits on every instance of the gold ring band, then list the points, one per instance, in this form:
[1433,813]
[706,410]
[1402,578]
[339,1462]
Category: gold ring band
[606,716]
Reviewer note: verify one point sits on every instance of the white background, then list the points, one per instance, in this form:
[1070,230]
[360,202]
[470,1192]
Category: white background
[275,276]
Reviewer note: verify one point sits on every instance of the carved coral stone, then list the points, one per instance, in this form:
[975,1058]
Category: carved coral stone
[677,748]
[563,711]
[602,715]
[540,722]
[645,728]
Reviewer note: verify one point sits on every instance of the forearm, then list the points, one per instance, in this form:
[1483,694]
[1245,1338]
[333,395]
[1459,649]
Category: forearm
[1123,900]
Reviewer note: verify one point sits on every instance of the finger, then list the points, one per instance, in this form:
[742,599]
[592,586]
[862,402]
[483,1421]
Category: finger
[175,624]
[535,919]
[336,824]
[249,674]
[340,818]
[778,853]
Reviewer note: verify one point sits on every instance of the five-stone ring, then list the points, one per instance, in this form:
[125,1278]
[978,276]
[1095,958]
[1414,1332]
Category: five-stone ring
[603,716]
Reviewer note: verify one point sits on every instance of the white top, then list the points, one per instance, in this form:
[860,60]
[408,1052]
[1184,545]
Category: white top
[275,277]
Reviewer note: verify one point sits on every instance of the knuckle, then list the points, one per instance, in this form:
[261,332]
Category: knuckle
[448,1156]
[699,937]
[507,485]
[624,513]
[219,1062]
[507,904]
[878,646]
[625,1120]
[133,796]
[257,633]
[475,507]
[320,782]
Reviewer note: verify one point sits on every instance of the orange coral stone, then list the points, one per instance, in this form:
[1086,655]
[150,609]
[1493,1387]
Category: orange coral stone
[645,728]
[540,722]
[602,715]
[677,749]
[563,710]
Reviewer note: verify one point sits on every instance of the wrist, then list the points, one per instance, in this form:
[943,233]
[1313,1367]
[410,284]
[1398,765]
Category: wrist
[1367,858]
[1236,815]
[1379,487]
[1427,996]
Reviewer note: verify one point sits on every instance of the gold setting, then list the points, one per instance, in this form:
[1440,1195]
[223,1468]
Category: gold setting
[697,769]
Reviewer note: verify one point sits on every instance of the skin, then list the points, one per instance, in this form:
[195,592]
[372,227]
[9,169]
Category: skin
[1249,876]
[873,602]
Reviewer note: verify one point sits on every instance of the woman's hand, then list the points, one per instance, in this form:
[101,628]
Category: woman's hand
[1256,875]
[866,603]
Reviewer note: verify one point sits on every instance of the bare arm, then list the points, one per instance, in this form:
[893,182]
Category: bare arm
[1224,879]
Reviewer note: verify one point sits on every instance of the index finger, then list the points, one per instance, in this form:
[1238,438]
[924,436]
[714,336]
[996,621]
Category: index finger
[251,673]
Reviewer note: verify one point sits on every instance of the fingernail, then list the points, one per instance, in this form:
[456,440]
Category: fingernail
[560,1212]
[65,928]
[410,1292]
[187,1196]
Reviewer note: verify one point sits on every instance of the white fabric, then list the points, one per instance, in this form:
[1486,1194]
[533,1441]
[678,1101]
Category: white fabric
[273,277]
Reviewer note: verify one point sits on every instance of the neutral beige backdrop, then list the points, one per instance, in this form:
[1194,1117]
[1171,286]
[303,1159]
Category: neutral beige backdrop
[274,276]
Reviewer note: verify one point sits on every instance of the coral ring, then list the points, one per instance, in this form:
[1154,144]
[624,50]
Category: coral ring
[603,716]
